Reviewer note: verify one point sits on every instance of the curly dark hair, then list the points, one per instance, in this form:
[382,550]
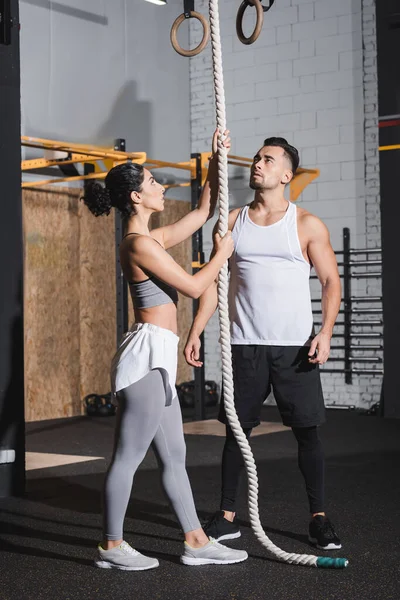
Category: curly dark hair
[120,182]
[290,151]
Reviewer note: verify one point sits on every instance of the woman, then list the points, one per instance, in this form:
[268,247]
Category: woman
[143,370]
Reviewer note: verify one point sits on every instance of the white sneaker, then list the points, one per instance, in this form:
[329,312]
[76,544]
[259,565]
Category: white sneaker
[212,553]
[125,558]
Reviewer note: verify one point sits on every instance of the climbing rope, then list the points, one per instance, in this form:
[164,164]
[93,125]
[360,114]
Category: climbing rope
[227,373]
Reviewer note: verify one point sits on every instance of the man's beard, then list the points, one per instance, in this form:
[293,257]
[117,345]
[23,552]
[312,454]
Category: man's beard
[262,184]
[254,185]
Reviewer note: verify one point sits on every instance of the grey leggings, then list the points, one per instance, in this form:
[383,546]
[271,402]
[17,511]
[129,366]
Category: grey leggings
[143,419]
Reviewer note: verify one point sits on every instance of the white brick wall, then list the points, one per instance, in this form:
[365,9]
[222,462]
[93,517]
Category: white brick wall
[311,77]
[370,387]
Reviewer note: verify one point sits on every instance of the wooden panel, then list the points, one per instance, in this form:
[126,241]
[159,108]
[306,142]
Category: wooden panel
[52,312]
[70,304]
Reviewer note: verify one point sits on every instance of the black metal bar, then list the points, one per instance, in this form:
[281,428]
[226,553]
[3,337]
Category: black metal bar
[355,323]
[319,312]
[198,257]
[364,263]
[364,323]
[357,299]
[354,371]
[362,251]
[366,311]
[368,371]
[366,299]
[367,335]
[366,251]
[371,335]
[389,163]
[5,22]
[366,275]
[365,359]
[68,170]
[355,311]
[359,347]
[367,347]
[388,117]
[347,302]
[363,275]
[355,359]
[12,423]
[361,263]
[87,169]
[121,285]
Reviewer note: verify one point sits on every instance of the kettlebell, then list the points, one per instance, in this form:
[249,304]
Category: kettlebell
[106,408]
[99,405]
[92,404]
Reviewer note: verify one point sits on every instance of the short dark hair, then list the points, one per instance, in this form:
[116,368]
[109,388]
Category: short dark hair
[290,151]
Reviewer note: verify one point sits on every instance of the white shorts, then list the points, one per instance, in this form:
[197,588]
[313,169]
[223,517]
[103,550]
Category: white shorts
[143,348]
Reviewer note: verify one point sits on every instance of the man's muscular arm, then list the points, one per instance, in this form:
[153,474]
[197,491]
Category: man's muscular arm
[323,259]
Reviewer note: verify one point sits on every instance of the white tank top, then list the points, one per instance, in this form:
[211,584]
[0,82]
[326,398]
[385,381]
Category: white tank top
[269,290]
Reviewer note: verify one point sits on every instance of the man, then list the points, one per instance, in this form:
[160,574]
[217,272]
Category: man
[272,333]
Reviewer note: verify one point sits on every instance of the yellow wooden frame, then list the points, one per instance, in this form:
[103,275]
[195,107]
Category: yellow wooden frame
[83,153]
[392,147]
[86,153]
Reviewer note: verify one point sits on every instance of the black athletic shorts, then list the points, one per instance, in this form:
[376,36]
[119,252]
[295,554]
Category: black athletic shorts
[296,384]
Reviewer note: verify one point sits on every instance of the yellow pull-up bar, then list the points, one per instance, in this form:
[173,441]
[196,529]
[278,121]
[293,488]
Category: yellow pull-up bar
[87,153]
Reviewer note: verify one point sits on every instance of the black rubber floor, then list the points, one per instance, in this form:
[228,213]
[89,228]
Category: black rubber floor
[48,538]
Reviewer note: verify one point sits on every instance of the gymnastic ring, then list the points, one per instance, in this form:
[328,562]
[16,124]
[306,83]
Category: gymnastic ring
[260,20]
[174,30]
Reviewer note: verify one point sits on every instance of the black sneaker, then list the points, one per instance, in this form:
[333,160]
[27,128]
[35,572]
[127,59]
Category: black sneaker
[322,534]
[220,528]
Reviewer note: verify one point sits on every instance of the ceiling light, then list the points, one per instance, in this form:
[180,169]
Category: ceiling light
[158,2]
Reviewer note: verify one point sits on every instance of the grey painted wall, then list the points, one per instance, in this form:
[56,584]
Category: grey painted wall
[93,70]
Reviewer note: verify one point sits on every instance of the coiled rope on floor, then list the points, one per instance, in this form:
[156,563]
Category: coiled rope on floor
[227,373]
